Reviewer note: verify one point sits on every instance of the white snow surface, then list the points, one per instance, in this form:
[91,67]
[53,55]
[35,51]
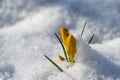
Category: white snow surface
[24,44]
[23,47]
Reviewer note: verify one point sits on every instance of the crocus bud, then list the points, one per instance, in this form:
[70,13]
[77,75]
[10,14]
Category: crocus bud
[71,47]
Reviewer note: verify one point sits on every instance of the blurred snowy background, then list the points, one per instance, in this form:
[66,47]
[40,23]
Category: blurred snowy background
[27,30]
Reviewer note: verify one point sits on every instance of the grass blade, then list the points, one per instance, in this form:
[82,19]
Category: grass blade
[60,69]
[62,47]
[91,39]
[83,29]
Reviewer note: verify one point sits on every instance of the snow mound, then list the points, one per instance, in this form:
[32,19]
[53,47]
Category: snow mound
[91,64]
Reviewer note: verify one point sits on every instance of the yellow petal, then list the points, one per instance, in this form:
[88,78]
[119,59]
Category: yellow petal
[71,47]
[64,34]
[61,58]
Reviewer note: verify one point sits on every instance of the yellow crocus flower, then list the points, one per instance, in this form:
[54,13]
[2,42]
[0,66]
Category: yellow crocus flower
[71,48]
[70,44]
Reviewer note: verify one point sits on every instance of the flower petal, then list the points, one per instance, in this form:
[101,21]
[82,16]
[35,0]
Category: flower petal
[64,34]
[71,47]
[61,58]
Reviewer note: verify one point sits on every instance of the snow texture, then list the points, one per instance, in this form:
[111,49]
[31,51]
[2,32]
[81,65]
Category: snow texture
[27,30]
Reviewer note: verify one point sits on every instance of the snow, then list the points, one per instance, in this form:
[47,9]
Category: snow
[92,64]
[27,38]
[22,58]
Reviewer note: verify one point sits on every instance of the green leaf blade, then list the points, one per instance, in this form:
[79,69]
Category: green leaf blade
[91,39]
[60,69]
[62,47]
[83,29]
